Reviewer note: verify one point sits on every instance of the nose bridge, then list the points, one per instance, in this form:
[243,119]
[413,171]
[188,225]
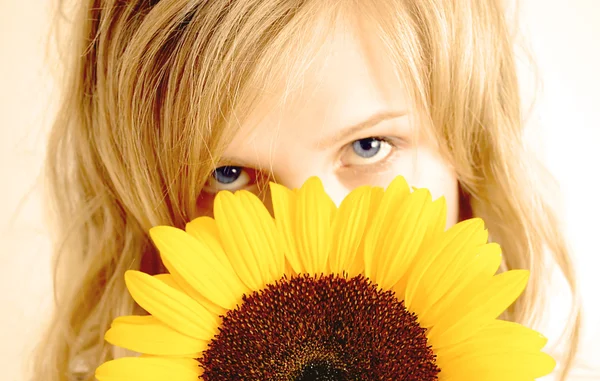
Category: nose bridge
[291,167]
[333,187]
[336,191]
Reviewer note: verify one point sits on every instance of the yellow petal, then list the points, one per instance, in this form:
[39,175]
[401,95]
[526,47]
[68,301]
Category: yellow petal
[181,285]
[468,316]
[194,262]
[250,239]
[206,231]
[498,337]
[172,307]
[349,226]
[435,223]
[471,278]
[500,367]
[358,266]
[284,208]
[404,244]
[381,224]
[275,262]
[428,281]
[169,281]
[148,369]
[146,334]
[393,249]
[314,215]
[487,262]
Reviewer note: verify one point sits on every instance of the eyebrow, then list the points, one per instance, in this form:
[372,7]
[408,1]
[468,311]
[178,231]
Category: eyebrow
[232,162]
[351,131]
[341,135]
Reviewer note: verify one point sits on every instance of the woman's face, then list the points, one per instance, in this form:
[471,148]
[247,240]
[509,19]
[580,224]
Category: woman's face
[349,123]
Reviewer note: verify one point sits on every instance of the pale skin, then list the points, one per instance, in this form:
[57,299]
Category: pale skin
[349,124]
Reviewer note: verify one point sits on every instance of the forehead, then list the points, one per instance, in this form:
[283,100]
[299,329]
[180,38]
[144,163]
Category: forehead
[348,80]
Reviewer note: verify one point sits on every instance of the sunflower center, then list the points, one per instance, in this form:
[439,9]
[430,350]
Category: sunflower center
[325,328]
[321,371]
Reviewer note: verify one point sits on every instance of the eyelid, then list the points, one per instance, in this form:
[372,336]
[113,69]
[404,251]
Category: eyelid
[376,119]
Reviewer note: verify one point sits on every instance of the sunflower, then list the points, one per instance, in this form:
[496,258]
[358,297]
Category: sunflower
[375,289]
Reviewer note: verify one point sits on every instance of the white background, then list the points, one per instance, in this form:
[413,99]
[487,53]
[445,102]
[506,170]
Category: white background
[563,35]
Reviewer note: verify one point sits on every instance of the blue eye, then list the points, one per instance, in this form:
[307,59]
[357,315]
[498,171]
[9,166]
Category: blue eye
[229,178]
[367,151]
[227,175]
[367,148]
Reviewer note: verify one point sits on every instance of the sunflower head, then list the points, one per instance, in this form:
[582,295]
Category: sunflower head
[375,289]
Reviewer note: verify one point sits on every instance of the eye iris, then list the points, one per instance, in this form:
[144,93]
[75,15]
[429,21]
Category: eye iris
[227,174]
[367,148]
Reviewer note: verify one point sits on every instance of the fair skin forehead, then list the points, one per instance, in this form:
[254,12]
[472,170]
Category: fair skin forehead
[348,93]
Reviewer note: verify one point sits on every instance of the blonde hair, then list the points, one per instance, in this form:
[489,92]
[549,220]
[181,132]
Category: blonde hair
[152,86]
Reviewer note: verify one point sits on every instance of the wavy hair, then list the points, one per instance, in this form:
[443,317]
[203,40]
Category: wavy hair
[150,88]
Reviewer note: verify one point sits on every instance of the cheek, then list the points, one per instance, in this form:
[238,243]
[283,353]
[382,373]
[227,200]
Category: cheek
[453,205]
[433,173]
[204,205]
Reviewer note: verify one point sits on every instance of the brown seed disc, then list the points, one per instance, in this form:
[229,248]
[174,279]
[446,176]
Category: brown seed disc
[326,328]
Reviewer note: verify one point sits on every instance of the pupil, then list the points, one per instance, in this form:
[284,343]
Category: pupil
[321,371]
[367,148]
[227,174]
